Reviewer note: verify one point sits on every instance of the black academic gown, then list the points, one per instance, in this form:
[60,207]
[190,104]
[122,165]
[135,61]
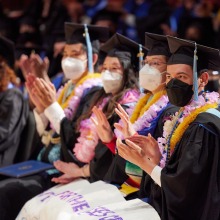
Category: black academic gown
[13,116]
[191,180]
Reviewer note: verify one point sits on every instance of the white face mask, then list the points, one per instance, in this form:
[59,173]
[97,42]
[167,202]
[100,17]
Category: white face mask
[150,78]
[73,68]
[111,81]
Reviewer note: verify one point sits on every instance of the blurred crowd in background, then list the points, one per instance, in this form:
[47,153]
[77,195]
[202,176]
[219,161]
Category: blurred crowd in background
[38,25]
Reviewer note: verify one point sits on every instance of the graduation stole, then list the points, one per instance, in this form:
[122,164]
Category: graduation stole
[175,127]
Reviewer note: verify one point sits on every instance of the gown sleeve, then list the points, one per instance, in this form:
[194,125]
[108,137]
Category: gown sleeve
[191,179]
[13,116]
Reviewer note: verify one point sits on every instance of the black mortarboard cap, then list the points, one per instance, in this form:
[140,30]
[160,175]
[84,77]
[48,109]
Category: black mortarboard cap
[7,50]
[124,48]
[183,53]
[75,33]
[156,44]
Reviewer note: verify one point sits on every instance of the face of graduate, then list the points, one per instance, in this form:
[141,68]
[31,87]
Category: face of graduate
[157,61]
[75,51]
[179,83]
[74,61]
[112,64]
[181,72]
[112,75]
[152,75]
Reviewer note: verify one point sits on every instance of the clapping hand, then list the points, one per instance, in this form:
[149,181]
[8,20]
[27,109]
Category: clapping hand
[103,127]
[140,150]
[126,129]
[44,92]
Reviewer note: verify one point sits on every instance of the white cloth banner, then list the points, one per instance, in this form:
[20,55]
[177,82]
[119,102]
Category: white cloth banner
[67,199]
[84,201]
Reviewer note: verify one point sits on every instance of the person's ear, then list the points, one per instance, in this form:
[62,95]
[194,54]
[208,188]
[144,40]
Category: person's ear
[203,79]
[94,58]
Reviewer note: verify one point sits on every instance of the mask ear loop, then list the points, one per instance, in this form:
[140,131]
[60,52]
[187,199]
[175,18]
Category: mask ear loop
[195,78]
[89,48]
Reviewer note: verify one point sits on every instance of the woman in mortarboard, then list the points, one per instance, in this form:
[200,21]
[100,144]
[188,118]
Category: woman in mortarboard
[13,107]
[190,178]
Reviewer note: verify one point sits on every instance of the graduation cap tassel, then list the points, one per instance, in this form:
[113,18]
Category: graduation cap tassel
[89,47]
[140,55]
[195,80]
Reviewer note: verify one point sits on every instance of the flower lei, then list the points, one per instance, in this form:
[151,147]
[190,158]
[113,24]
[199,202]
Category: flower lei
[143,105]
[140,104]
[143,113]
[71,103]
[84,149]
[145,120]
[175,127]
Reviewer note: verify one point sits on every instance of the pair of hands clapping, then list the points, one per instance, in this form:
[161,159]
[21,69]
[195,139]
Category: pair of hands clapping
[140,150]
[41,91]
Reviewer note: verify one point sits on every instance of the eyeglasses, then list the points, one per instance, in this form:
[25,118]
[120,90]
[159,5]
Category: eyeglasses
[154,63]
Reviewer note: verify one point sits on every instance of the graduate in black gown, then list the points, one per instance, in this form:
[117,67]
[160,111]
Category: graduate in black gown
[190,179]
[13,107]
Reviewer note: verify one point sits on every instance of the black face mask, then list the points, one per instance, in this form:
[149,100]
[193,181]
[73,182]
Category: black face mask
[179,93]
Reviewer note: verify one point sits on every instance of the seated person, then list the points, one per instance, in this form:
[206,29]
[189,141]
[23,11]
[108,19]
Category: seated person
[13,107]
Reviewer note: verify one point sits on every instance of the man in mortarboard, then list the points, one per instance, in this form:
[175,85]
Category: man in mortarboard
[79,58]
[190,144]
[54,115]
